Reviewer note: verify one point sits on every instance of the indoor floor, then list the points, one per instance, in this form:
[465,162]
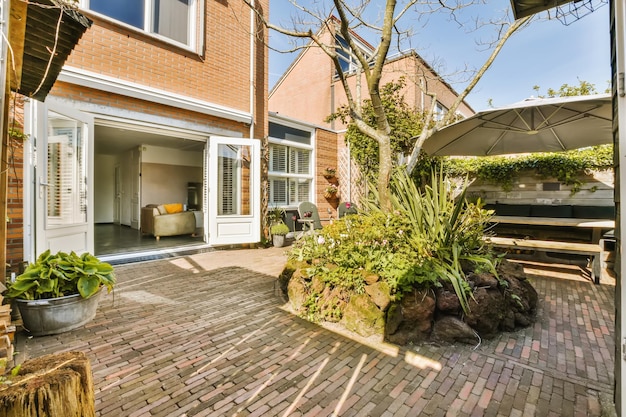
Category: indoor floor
[121,244]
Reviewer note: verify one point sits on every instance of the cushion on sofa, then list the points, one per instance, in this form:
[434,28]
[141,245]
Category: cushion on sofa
[173,208]
[594,212]
[161,209]
[520,210]
[560,211]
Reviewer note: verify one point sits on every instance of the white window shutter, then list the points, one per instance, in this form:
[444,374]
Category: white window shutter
[278,158]
[303,191]
[278,191]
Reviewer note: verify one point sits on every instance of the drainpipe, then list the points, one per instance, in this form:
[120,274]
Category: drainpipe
[252,67]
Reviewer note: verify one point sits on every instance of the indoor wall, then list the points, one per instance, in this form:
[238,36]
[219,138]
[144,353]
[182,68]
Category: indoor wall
[165,174]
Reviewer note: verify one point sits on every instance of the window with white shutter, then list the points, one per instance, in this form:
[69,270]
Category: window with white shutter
[278,158]
[278,192]
[290,166]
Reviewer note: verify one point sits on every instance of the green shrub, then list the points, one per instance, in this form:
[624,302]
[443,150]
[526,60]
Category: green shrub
[279,229]
[423,240]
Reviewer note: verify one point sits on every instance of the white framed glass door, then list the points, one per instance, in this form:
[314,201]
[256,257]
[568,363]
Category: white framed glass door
[63,179]
[234,197]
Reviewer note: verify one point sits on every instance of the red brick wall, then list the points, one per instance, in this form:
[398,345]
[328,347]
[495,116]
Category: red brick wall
[304,92]
[219,73]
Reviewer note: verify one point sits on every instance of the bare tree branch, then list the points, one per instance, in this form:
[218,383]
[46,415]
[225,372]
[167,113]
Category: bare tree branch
[451,114]
[386,28]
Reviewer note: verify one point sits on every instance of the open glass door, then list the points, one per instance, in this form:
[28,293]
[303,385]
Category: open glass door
[64,179]
[234,178]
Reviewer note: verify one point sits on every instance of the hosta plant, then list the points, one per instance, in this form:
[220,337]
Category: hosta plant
[61,274]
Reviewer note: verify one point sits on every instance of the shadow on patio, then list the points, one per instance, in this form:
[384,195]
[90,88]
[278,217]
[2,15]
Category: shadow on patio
[199,335]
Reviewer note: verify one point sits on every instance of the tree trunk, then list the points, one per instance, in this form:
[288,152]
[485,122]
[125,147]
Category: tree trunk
[384,172]
[50,386]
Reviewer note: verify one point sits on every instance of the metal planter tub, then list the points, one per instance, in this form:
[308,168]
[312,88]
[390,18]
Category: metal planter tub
[57,315]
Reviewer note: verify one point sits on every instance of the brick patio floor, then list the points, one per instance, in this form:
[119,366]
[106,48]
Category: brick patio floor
[206,335]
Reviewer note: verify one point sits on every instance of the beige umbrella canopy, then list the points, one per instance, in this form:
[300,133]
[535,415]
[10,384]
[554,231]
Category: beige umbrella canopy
[532,125]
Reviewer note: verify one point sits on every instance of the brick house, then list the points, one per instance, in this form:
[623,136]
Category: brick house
[309,91]
[151,100]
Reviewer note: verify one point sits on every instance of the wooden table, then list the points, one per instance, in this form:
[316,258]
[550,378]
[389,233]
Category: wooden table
[591,249]
[598,225]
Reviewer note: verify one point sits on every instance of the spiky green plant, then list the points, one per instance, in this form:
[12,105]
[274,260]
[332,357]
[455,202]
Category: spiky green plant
[445,229]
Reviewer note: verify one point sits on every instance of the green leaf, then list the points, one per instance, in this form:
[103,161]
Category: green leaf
[88,286]
[47,285]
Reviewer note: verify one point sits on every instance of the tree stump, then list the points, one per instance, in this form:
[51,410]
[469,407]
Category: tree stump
[49,386]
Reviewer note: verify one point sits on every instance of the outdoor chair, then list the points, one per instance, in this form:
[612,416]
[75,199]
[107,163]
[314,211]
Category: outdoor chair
[309,216]
[346,208]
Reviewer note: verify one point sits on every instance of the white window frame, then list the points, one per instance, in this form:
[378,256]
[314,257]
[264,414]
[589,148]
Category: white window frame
[352,61]
[440,111]
[274,175]
[195,7]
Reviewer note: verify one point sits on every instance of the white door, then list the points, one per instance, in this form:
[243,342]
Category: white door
[234,179]
[63,179]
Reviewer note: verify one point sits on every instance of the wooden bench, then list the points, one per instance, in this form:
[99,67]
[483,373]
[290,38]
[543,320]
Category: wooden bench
[592,250]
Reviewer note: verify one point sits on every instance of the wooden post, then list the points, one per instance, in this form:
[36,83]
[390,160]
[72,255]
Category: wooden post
[49,386]
[4,175]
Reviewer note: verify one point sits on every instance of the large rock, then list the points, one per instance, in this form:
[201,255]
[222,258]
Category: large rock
[484,279]
[411,320]
[487,309]
[450,329]
[370,277]
[380,294]
[363,317]
[332,304]
[521,295]
[296,291]
[447,301]
[317,285]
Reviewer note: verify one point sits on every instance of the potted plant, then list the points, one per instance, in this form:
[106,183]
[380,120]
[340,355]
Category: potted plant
[331,191]
[329,172]
[60,292]
[275,215]
[279,231]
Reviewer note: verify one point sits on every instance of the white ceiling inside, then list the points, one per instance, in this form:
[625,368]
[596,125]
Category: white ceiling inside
[114,140]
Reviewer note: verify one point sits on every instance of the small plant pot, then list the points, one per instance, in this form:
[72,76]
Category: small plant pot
[278,240]
[57,315]
[330,196]
[329,176]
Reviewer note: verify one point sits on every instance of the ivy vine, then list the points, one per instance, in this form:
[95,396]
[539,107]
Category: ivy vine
[567,167]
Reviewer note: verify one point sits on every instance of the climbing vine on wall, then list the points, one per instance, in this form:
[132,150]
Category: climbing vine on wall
[567,167]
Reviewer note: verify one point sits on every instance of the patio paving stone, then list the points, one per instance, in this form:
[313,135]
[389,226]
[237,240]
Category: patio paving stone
[206,334]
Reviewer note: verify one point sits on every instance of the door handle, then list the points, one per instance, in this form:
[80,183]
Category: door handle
[42,184]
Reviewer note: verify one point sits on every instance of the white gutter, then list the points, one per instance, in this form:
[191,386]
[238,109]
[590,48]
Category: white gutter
[110,84]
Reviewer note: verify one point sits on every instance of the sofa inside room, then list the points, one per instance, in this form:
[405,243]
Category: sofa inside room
[167,220]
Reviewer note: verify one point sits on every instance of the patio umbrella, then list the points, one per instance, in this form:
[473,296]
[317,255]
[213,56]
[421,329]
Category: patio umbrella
[532,125]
